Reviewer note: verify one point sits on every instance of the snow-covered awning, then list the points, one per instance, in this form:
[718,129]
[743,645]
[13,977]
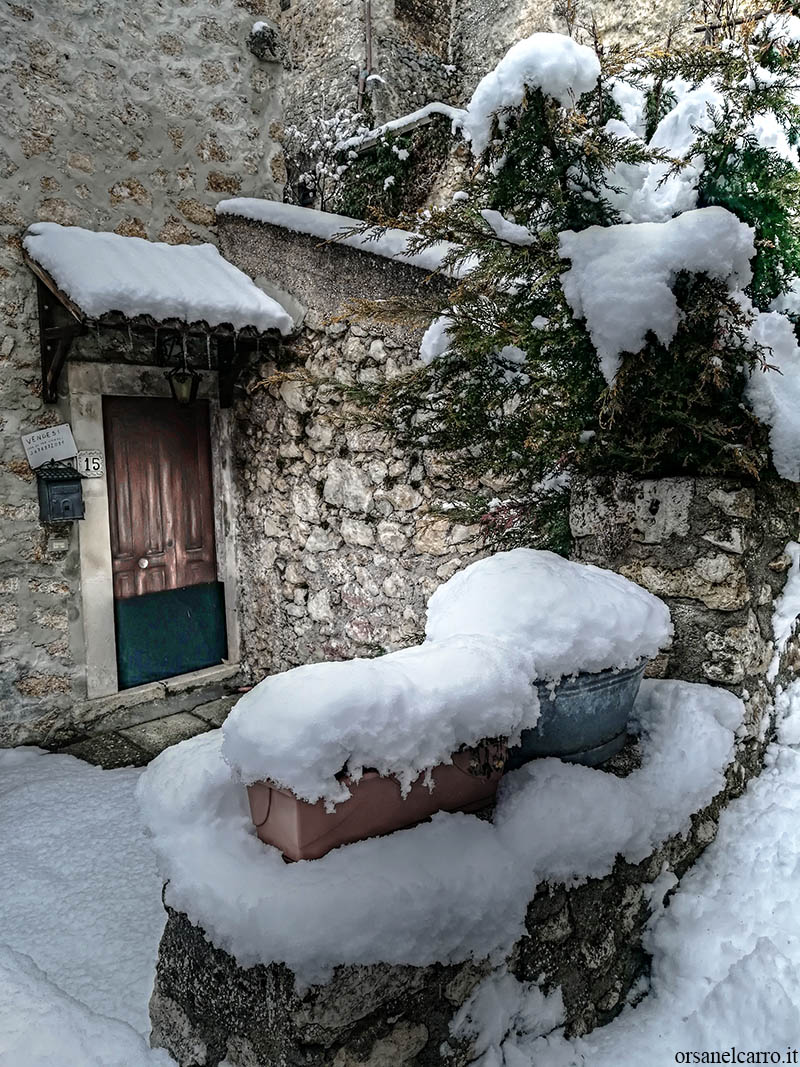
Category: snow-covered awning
[104,274]
[104,279]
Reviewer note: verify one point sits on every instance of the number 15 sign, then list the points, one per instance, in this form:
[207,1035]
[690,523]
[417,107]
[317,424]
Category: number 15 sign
[90,463]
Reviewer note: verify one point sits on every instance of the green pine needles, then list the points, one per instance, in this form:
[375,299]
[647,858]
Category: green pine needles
[517,401]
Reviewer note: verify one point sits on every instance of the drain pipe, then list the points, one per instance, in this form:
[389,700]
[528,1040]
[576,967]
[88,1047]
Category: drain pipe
[365,73]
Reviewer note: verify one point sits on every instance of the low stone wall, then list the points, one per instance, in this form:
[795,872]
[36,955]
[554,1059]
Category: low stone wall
[587,941]
[342,539]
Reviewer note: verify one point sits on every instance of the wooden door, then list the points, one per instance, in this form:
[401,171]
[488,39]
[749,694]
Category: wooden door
[168,605]
[160,495]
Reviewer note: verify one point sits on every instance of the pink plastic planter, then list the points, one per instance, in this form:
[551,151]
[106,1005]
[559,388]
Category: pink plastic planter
[304,831]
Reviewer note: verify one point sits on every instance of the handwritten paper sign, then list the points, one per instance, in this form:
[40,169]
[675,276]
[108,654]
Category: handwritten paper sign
[56,442]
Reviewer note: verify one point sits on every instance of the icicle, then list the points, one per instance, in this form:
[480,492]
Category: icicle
[184,348]
[130,338]
[208,350]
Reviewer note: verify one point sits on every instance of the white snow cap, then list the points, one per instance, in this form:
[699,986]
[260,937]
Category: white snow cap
[436,340]
[103,272]
[621,277]
[400,714]
[774,393]
[552,62]
[572,617]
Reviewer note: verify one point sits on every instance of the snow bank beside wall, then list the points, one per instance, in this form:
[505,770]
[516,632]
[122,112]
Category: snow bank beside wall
[339,545]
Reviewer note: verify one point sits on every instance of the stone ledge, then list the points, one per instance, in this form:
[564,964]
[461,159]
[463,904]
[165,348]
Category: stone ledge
[587,940]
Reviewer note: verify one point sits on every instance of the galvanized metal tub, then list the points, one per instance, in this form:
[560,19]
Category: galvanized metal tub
[583,720]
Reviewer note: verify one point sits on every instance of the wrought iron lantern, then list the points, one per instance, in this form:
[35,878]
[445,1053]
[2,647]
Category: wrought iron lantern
[183,380]
[183,383]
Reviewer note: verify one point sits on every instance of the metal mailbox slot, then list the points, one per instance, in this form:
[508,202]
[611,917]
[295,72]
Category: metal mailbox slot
[60,495]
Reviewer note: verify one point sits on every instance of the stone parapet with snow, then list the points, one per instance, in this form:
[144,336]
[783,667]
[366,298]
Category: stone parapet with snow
[715,550]
[398,931]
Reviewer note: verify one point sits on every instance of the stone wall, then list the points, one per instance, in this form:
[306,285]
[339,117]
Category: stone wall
[341,536]
[136,118]
[326,43]
[714,551]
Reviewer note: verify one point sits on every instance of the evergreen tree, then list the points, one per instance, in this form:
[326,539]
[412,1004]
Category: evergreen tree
[522,423]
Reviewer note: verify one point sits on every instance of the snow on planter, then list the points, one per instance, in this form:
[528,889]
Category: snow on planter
[621,276]
[448,890]
[552,62]
[401,714]
[105,272]
[572,617]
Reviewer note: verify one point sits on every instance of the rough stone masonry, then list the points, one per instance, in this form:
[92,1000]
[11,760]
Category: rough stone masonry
[135,118]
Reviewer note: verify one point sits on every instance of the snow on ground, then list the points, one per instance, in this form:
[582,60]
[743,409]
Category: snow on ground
[391,243]
[726,950]
[451,889]
[603,260]
[42,1026]
[103,272]
[552,62]
[79,890]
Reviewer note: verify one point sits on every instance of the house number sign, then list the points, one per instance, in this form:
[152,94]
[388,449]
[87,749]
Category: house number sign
[91,463]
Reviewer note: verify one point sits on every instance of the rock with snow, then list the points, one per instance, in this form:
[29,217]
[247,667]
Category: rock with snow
[104,272]
[621,277]
[552,62]
[571,616]
[389,243]
[449,890]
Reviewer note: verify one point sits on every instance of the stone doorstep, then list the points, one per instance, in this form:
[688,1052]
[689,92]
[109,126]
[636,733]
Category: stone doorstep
[136,744]
[156,700]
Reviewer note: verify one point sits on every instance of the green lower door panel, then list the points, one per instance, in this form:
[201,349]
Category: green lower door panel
[173,632]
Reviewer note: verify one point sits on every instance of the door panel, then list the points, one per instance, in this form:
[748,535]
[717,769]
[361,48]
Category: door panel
[160,495]
[161,514]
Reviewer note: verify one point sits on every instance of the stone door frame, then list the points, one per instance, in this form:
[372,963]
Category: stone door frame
[94,637]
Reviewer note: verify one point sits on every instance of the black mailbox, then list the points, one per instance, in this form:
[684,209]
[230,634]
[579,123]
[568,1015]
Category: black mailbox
[60,496]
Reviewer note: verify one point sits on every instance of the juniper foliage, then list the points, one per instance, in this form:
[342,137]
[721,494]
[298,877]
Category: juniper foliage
[672,410]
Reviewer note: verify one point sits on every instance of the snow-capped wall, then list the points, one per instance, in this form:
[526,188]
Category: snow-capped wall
[134,118]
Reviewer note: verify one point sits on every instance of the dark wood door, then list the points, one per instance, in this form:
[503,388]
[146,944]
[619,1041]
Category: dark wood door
[161,504]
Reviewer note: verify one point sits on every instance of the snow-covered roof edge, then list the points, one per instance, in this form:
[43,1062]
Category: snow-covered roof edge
[103,274]
[390,243]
